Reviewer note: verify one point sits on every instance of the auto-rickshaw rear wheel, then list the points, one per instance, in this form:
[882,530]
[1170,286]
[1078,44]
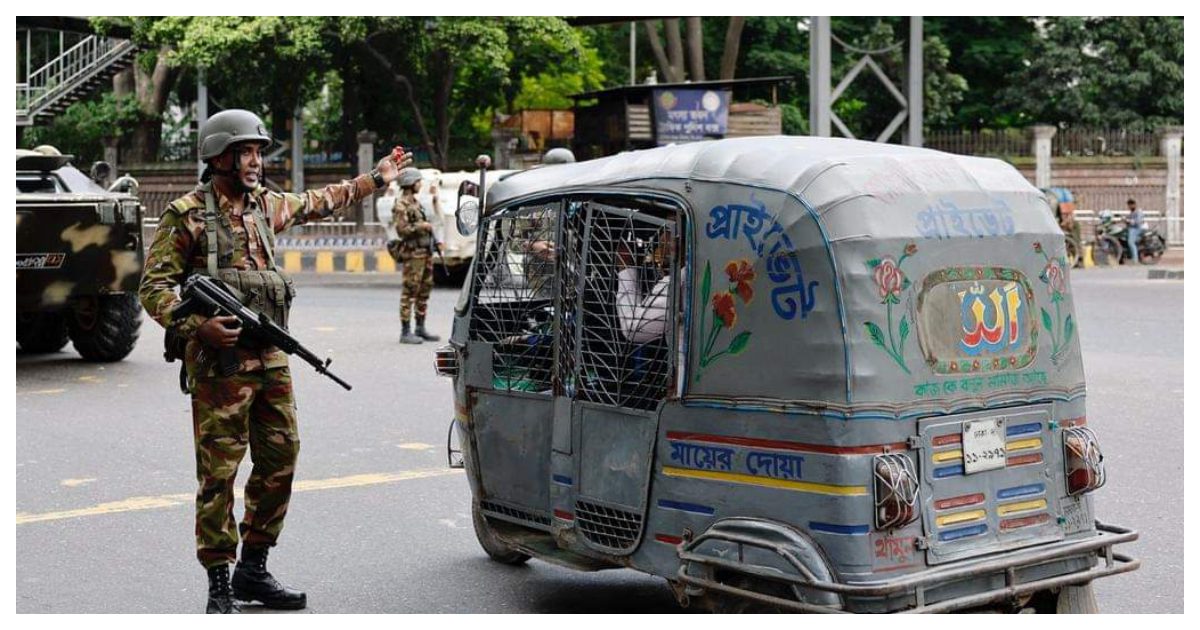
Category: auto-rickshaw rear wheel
[495,548]
[1069,600]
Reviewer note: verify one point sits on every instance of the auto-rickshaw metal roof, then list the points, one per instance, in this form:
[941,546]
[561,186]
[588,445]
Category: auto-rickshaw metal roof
[787,163]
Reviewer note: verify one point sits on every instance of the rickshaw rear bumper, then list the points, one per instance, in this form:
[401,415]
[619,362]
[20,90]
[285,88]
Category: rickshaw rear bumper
[1094,556]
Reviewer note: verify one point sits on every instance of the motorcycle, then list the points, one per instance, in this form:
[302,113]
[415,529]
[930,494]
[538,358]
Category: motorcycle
[1151,245]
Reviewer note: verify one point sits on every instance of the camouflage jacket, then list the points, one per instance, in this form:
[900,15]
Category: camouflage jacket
[181,245]
[407,216]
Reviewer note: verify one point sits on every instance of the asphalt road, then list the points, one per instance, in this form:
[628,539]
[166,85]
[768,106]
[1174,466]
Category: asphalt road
[104,471]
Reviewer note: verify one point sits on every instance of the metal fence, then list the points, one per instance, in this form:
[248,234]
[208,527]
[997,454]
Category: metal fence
[1018,142]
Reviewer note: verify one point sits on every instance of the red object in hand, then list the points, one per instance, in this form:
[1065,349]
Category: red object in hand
[398,153]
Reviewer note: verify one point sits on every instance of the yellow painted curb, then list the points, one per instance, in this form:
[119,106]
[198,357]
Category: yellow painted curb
[384,262]
[354,262]
[291,262]
[324,262]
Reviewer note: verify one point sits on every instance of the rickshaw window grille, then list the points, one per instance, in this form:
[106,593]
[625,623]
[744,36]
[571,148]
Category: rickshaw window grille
[578,302]
[606,526]
[515,297]
[570,258]
[626,302]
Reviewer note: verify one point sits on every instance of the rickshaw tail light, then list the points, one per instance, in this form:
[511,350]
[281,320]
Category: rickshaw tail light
[896,491]
[445,361]
[1082,460]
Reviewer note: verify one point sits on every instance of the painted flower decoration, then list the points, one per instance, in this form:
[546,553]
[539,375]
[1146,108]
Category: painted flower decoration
[910,249]
[741,274]
[723,307]
[1037,247]
[889,280]
[1056,276]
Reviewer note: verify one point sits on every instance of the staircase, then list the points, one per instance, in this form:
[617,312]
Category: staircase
[71,76]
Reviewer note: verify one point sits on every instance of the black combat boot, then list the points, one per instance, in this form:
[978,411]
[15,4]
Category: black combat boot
[424,334]
[406,335]
[220,594]
[253,583]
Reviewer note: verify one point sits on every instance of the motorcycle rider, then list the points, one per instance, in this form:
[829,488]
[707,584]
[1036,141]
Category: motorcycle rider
[1136,223]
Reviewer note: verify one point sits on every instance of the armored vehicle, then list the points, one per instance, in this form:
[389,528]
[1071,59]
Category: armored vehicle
[79,260]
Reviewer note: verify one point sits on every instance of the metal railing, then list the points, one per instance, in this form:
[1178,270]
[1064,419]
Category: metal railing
[1017,142]
[66,71]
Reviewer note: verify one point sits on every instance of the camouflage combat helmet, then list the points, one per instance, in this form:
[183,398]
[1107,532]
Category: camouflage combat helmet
[408,177]
[228,127]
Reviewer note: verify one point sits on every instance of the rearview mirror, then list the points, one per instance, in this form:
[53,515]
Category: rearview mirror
[466,211]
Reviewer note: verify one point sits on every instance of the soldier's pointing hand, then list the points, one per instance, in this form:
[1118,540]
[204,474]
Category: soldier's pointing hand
[219,332]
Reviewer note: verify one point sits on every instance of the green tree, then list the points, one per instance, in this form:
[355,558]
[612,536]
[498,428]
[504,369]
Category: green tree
[988,52]
[82,129]
[445,71]
[1137,71]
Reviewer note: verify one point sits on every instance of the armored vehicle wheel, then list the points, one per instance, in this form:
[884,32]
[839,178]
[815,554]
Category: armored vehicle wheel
[41,332]
[495,549]
[106,328]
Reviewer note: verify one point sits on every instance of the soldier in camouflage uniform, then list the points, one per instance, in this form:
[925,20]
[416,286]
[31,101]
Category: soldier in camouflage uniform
[417,244]
[226,228]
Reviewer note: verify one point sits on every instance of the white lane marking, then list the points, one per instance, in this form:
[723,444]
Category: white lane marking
[72,483]
[40,392]
[133,504]
[415,446]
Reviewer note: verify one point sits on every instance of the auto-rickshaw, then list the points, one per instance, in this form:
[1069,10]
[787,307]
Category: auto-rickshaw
[786,373]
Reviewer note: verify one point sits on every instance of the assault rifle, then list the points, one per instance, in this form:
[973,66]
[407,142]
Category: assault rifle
[206,296]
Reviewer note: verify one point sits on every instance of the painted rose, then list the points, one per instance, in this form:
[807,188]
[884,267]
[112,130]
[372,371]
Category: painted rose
[1055,276]
[889,280]
[1037,247]
[741,274]
[723,307]
[910,249]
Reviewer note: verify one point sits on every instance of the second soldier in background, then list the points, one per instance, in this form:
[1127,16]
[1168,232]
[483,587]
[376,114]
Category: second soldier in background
[417,244]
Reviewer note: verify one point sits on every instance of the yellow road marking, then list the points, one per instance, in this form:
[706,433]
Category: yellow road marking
[71,483]
[91,379]
[133,504]
[325,329]
[44,391]
[802,486]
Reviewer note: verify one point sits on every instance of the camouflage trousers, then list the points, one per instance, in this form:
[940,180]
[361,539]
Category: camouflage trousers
[418,282]
[229,414]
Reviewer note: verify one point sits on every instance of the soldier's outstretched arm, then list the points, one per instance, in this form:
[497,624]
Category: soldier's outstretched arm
[166,265]
[290,209]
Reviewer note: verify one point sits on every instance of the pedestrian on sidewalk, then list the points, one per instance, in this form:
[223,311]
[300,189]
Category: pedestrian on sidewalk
[225,229]
[1136,223]
[416,248]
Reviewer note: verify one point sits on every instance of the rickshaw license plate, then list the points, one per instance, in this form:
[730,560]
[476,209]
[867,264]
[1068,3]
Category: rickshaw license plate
[983,444]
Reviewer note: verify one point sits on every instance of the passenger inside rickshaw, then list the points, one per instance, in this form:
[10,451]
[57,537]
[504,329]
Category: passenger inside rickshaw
[614,292]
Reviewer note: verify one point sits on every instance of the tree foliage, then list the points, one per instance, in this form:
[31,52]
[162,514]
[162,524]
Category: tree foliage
[435,83]
[82,129]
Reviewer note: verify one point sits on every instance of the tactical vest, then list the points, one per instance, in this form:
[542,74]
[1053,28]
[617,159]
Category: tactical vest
[267,291]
